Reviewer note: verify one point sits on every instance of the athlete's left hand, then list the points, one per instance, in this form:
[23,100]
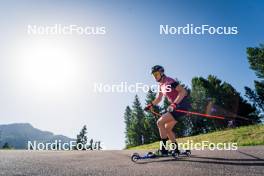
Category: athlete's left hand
[171,107]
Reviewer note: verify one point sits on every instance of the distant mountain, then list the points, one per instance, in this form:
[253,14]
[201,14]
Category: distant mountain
[18,134]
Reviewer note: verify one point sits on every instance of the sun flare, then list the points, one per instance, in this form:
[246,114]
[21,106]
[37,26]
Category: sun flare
[48,66]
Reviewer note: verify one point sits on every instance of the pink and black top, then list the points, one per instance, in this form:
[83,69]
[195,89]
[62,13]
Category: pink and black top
[168,88]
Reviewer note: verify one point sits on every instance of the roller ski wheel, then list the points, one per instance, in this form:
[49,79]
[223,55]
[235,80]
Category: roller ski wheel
[151,155]
[135,157]
[188,153]
[175,155]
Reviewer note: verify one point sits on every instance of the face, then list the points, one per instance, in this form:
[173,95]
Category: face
[157,76]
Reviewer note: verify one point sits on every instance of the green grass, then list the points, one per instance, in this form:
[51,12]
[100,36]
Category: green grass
[243,136]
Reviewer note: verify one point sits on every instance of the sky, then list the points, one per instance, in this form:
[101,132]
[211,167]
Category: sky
[48,80]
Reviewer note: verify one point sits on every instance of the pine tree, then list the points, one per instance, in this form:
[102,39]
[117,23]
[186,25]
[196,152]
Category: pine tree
[256,61]
[82,137]
[91,144]
[127,120]
[212,96]
[6,146]
[136,124]
[151,120]
[0,137]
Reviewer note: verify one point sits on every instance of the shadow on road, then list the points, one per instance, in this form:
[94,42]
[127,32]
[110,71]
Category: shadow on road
[213,160]
[251,156]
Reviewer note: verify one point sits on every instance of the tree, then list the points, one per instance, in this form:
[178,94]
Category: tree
[215,97]
[0,137]
[127,120]
[91,144]
[140,127]
[199,98]
[150,122]
[256,60]
[97,145]
[82,137]
[6,146]
[135,124]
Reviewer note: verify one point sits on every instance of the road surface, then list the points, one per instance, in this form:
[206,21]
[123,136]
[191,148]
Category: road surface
[245,161]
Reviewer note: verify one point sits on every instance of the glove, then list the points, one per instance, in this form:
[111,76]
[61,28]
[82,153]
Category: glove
[148,107]
[171,107]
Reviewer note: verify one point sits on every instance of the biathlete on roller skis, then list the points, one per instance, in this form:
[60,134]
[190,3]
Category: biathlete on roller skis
[177,95]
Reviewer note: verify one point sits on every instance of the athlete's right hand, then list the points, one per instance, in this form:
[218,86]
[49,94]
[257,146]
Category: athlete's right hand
[148,107]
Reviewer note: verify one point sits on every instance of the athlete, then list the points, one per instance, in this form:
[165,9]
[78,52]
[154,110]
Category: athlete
[177,96]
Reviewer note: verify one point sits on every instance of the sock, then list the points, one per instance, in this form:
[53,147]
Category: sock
[175,143]
[164,141]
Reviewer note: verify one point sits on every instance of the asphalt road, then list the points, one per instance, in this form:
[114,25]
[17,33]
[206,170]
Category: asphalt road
[245,161]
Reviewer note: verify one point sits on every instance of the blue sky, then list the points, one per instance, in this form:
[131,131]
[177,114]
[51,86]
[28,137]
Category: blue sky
[33,91]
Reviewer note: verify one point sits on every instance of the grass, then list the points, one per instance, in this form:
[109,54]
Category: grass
[243,136]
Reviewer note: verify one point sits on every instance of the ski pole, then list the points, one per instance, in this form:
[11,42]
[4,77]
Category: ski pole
[193,113]
[203,115]
[200,114]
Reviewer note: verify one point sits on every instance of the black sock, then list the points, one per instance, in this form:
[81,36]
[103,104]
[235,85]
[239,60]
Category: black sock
[164,142]
[175,144]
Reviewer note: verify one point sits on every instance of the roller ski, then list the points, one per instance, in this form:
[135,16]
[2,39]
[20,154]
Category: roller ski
[158,154]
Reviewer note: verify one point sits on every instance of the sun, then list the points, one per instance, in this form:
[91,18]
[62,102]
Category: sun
[48,66]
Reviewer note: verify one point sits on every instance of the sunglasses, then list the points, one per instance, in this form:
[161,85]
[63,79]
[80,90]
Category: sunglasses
[156,74]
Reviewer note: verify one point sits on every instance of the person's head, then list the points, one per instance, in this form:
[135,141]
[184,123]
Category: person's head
[158,72]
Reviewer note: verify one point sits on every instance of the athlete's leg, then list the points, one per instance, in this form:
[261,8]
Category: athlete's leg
[169,129]
[164,119]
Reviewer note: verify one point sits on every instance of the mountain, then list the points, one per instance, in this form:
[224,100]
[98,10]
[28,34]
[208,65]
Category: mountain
[17,135]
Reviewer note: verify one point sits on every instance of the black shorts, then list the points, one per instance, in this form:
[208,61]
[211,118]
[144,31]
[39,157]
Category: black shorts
[183,105]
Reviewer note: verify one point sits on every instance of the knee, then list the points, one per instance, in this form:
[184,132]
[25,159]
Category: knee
[168,128]
[160,123]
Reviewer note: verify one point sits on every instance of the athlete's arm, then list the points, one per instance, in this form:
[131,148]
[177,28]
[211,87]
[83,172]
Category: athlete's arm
[157,99]
[182,92]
